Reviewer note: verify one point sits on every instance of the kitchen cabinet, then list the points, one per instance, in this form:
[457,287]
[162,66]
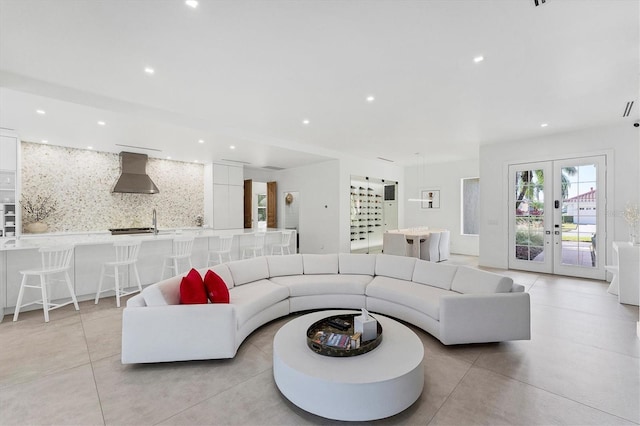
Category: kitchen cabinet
[9,185]
[228,198]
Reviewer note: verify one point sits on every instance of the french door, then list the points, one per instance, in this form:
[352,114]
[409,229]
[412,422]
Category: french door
[557,217]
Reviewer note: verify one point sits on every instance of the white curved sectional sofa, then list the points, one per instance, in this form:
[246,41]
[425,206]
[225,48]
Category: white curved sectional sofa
[455,304]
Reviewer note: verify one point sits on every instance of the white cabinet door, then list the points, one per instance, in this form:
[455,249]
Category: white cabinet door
[236,176]
[236,207]
[8,151]
[221,174]
[220,206]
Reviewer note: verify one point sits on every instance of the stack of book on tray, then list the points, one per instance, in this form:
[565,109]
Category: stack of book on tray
[338,340]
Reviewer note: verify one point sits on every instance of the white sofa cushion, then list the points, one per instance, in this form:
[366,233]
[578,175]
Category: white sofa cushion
[165,292]
[223,271]
[361,264]
[290,264]
[434,274]
[252,298]
[400,267]
[422,298]
[309,285]
[320,263]
[475,281]
[249,270]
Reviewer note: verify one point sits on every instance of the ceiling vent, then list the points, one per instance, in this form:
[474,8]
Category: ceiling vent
[627,109]
[385,159]
[234,161]
[273,168]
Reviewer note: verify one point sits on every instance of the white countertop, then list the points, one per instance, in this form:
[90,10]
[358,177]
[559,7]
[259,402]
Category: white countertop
[35,241]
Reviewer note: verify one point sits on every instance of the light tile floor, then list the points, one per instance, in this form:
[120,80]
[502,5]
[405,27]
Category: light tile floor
[581,367]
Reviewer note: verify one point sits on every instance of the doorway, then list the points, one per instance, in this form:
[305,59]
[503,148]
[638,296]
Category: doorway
[557,217]
[260,205]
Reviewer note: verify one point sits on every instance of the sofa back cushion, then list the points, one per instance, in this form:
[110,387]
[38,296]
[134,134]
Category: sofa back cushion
[474,281]
[165,292]
[320,263]
[223,272]
[280,266]
[434,274]
[357,264]
[400,267]
[249,270]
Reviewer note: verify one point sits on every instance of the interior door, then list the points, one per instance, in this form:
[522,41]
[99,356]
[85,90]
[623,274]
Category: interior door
[557,217]
[272,211]
[248,194]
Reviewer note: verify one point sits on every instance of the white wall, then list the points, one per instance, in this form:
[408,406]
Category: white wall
[446,178]
[620,145]
[317,185]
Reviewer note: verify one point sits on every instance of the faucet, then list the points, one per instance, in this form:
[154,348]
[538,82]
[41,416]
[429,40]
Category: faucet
[154,222]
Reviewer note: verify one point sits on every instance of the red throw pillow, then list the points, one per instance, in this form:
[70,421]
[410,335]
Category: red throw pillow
[192,289]
[217,290]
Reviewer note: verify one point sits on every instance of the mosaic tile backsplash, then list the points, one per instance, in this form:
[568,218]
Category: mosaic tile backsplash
[80,181]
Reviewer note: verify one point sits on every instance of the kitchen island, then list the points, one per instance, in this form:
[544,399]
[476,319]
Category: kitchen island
[91,249]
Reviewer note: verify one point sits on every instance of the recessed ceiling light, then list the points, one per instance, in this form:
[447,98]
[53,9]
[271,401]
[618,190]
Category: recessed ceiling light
[149,70]
[45,141]
[200,141]
[41,111]
[168,157]
[305,121]
[478,59]
[89,147]
[191,3]
[195,161]
[544,124]
[101,123]
[232,147]
[371,98]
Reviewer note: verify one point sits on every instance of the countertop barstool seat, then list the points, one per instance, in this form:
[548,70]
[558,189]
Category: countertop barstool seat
[284,244]
[126,255]
[257,247]
[56,261]
[224,250]
[182,247]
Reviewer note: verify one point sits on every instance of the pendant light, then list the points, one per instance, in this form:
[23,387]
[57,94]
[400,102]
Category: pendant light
[418,170]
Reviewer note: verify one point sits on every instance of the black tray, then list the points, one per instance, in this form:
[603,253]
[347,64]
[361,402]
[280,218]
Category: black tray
[324,326]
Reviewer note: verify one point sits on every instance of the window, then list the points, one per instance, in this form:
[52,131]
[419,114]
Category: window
[470,206]
[262,207]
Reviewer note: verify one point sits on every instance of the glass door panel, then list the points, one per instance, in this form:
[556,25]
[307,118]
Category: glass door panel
[528,238]
[581,217]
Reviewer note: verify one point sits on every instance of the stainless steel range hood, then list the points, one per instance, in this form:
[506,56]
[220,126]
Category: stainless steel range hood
[133,175]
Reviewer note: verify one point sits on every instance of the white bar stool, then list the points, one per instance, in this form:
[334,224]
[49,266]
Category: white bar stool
[284,244]
[224,250]
[182,247]
[258,246]
[126,254]
[55,260]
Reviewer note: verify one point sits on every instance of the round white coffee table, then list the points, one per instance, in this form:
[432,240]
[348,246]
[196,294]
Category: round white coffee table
[371,386]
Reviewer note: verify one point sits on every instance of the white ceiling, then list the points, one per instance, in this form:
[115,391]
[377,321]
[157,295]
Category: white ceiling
[246,73]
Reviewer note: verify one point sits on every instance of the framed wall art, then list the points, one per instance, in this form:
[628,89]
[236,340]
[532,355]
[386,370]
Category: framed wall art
[430,199]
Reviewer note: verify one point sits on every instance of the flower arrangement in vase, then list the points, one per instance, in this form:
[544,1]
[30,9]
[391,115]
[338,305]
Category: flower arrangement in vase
[631,215]
[36,210]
